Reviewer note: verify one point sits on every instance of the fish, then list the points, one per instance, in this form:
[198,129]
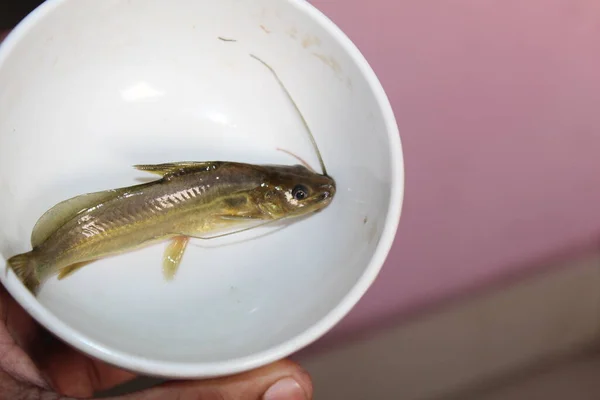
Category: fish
[190,199]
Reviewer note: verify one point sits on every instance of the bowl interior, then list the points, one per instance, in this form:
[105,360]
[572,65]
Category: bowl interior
[91,88]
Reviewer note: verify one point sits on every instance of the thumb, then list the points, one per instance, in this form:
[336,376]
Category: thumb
[283,380]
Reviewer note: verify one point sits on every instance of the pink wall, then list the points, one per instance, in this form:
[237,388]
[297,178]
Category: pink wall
[498,104]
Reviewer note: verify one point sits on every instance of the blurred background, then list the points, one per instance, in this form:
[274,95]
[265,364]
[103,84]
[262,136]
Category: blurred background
[491,289]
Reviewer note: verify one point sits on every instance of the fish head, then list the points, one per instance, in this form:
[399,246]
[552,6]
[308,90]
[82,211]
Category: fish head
[293,191]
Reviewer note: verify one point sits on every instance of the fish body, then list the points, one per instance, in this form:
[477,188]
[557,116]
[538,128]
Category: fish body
[192,199]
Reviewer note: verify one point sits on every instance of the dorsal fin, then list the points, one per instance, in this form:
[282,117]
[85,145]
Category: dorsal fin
[168,170]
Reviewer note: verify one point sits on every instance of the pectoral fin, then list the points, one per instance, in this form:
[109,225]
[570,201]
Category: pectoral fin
[239,218]
[245,222]
[67,271]
[173,255]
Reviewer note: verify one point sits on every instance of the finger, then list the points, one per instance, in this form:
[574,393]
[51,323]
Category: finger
[283,380]
[68,371]
[73,374]
[17,337]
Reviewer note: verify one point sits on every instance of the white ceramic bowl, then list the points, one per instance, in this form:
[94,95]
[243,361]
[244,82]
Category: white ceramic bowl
[89,88]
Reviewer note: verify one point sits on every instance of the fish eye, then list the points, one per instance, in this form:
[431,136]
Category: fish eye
[299,192]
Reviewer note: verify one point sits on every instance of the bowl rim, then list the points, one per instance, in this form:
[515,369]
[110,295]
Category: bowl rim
[174,369]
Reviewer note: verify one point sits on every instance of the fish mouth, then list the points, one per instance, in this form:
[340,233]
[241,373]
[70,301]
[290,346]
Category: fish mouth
[327,192]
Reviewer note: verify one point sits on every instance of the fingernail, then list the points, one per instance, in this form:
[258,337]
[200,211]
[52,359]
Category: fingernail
[285,389]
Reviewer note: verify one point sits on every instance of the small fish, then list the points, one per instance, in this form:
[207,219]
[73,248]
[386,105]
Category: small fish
[190,200]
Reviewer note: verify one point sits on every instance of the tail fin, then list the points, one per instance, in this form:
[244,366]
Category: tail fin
[24,266]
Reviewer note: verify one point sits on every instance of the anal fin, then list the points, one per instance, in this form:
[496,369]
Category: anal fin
[173,255]
[67,271]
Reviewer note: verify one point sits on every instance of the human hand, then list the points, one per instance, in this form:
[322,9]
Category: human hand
[34,365]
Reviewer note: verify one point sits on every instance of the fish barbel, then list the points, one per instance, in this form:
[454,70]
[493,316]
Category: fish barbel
[192,199]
